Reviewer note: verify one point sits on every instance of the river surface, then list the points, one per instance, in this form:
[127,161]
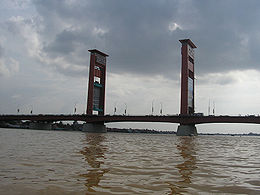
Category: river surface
[60,162]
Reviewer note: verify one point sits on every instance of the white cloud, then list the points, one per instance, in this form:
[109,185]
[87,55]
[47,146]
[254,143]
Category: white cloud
[216,79]
[99,31]
[174,26]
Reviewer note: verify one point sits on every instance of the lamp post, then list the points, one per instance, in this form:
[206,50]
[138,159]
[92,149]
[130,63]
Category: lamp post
[31,109]
[18,109]
[152,107]
[209,108]
[214,108]
[125,108]
[114,108]
[75,108]
[161,111]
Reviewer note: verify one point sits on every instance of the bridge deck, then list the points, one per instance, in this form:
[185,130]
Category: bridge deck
[147,118]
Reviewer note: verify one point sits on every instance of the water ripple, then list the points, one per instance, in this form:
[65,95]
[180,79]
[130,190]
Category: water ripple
[45,162]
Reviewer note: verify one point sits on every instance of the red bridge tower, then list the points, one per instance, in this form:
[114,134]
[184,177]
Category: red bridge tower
[187,77]
[187,86]
[97,82]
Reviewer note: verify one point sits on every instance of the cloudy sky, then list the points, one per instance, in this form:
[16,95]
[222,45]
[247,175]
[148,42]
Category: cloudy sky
[44,56]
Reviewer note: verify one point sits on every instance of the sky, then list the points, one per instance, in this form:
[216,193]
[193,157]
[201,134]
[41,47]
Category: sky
[44,57]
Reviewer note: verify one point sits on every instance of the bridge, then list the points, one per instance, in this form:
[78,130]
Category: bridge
[185,120]
[95,114]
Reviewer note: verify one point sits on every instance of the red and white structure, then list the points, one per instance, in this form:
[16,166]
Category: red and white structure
[97,82]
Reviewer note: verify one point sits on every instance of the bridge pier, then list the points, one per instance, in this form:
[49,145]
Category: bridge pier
[94,128]
[40,126]
[187,130]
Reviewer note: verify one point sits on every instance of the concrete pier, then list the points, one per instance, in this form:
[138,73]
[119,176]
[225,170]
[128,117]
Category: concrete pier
[40,126]
[94,127]
[187,130]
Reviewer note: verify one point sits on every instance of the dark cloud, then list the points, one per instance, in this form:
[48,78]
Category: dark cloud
[227,35]
[136,33]
[63,45]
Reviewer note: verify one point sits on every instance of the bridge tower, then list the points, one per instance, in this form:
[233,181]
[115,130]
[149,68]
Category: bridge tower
[187,85]
[97,82]
[96,89]
[187,77]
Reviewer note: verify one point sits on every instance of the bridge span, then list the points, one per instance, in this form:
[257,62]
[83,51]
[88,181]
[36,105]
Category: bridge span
[180,119]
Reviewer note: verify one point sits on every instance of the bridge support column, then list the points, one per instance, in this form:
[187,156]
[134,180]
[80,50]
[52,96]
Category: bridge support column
[94,127]
[187,130]
[40,126]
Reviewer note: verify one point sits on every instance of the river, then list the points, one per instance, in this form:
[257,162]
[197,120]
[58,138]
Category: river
[63,162]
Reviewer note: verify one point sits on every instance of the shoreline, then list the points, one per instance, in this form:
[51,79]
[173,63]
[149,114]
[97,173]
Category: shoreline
[132,130]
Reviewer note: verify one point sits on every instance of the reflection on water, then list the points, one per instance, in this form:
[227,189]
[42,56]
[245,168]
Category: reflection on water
[96,146]
[187,150]
[94,155]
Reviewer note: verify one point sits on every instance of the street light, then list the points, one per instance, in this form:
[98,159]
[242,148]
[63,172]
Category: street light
[75,109]
[152,107]
[214,108]
[125,108]
[18,109]
[114,108]
[31,109]
[209,108]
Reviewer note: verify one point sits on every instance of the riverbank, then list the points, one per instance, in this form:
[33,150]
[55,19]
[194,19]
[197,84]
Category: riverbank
[78,127]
